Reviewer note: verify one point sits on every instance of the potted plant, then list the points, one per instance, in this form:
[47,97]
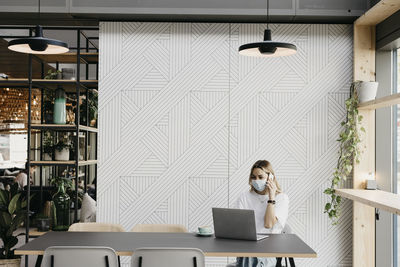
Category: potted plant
[62,148]
[13,213]
[61,203]
[92,103]
[349,152]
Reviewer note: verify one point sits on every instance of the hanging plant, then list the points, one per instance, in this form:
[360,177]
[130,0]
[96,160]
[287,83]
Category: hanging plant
[349,152]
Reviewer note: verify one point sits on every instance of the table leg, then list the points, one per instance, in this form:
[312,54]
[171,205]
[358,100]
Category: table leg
[39,260]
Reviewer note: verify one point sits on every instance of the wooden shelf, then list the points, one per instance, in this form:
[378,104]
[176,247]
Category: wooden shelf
[68,85]
[378,13]
[382,102]
[375,198]
[64,127]
[62,163]
[89,58]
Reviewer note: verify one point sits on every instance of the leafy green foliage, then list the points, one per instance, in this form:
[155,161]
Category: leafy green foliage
[61,183]
[349,152]
[12,215]
[52,75]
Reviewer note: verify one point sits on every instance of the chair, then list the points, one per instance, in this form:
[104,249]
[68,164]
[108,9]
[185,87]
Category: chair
[160,228]
[63,256]
[168,257]
[96,227]
[286,230]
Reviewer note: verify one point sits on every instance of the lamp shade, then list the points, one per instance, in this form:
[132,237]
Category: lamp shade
[38,44]
[267,48]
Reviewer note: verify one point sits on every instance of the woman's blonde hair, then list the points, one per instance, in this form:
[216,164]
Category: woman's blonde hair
[266,166]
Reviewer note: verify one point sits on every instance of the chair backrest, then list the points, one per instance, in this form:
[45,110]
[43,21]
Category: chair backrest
[168,257]
[160,228]
[96,227]
[63,256]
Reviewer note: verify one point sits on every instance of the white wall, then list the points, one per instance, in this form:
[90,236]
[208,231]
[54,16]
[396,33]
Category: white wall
[183,117]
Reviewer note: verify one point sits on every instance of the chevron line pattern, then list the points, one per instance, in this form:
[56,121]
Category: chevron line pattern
[183,117]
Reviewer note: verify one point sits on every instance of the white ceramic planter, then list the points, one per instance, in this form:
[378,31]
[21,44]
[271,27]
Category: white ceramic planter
[367,91]
[62,155]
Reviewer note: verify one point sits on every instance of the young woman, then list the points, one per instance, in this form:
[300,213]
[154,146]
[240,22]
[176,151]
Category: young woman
[270,207]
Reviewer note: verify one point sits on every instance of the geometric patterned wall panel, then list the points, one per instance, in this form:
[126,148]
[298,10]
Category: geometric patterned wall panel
[183,117]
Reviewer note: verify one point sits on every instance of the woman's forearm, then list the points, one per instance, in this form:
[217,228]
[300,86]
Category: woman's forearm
[269,218]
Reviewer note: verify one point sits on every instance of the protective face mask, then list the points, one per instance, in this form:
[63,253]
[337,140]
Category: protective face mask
[259,185]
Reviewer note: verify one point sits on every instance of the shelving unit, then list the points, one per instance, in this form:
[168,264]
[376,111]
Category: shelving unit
[63,127]
[68,85]
[76,88]
[63,163]
[364,70]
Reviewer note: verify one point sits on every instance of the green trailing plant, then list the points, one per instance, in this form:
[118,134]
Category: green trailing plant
[13,213]
[349,152]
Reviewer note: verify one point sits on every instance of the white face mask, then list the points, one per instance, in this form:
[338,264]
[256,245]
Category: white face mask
[259,185]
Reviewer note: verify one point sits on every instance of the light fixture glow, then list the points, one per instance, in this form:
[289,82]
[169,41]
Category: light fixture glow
[38,44]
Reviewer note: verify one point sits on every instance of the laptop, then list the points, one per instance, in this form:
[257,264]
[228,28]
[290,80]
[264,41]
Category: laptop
[235,224]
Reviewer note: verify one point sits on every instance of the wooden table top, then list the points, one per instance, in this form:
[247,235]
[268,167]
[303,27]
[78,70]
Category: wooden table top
[124,243]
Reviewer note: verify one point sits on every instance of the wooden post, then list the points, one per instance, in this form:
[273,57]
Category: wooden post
[363,215]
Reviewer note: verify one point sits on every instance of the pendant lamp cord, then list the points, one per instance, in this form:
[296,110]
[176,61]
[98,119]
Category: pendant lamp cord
[39,13]
[267,14]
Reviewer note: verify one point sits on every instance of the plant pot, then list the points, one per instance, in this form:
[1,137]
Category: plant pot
[367,91]
[46,156]
[62,155]
[43,224]
[10,263]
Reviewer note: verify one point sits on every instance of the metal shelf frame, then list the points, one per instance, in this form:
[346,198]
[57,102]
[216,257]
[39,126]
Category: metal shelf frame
[78,87]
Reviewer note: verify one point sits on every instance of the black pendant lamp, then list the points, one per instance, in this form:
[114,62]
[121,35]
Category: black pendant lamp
[267,48]
[38,44]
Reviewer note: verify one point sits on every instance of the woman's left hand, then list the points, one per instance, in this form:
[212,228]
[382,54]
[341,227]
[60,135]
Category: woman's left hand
[271,189]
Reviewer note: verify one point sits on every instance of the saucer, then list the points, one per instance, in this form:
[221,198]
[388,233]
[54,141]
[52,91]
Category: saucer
[199,234]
